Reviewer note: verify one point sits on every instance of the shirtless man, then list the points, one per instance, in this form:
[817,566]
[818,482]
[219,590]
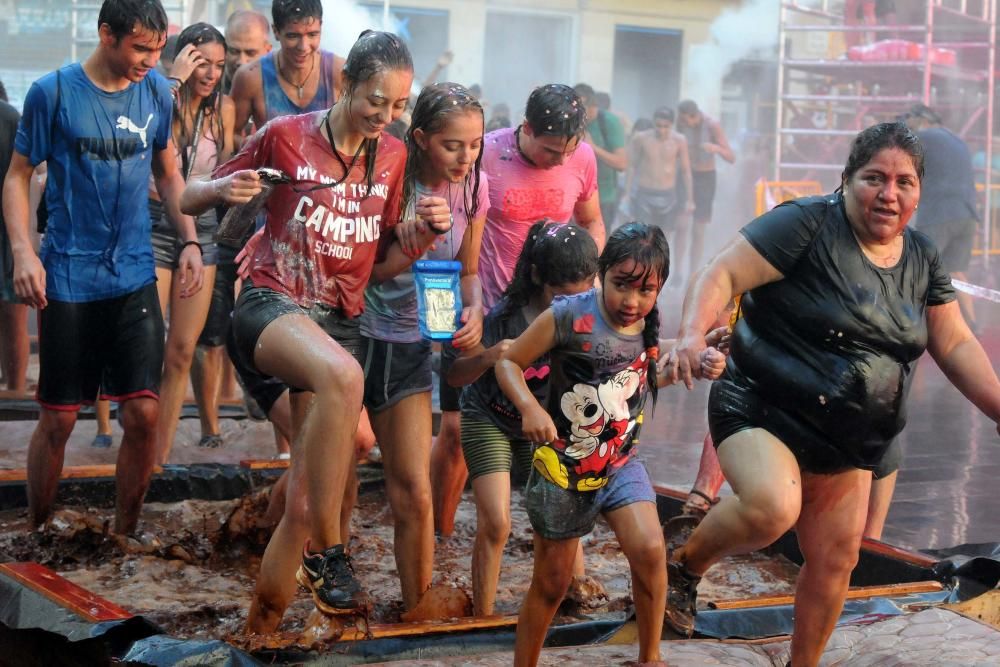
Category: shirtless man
[248,37]
[297,78]
[705,140]
[655,156]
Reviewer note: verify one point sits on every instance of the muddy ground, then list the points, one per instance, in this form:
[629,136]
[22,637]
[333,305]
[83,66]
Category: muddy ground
[192,564]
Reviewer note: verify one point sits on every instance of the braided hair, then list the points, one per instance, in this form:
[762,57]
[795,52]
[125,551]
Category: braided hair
[374,52]
[554,253]
[646,247]
[435,105]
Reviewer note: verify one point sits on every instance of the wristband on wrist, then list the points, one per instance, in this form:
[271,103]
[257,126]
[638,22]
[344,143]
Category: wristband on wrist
[201,251]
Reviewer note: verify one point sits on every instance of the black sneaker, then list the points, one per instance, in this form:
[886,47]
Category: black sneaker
[329,576]
[682,595]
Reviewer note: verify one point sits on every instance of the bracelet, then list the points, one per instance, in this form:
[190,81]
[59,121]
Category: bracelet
[177,79]
[194,243]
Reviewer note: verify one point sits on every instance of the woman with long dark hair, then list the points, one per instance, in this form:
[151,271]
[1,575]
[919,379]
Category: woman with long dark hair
[203,125]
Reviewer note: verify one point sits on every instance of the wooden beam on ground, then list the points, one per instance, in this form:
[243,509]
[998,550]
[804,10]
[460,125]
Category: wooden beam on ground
[860,593]
[676,494]
[895,553]
[416,629]
[68,472]
[264,464]
[64,593]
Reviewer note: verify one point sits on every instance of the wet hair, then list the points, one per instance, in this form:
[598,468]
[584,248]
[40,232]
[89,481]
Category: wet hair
[170,48]
[3,92]
[603,101]
[876,138]
[121,16]
[436,104]
[243,17]
[665,113]
[642,124]
[211,106]
[284,12]
[688,107]
[556,110]
[645,246]
[925,112]
[373,53]
[556,254]
[586,93]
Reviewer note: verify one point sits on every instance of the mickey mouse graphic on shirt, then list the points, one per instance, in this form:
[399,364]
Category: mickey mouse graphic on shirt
[600,425]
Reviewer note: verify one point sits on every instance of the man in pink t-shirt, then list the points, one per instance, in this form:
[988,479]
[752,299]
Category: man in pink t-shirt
[538,170]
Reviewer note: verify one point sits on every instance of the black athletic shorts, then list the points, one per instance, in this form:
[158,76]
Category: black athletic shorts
[394,371]
[655,207]
[220,312]
[733,408]
[448,396]
[167,246]
[703,184]
[113,345]
[256,308]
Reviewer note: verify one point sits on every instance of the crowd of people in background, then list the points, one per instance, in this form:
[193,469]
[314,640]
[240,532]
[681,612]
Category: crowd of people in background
[566,223]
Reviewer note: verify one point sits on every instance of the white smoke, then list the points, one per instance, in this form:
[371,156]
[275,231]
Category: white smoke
[344,20]
[738,33]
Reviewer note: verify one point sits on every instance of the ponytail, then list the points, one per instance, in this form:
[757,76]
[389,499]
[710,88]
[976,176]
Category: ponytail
[651,341]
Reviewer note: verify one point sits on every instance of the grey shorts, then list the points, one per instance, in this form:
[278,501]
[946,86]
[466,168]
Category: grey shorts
[167,247]
[954,240]
[561,514]
[394,371]
[256,308]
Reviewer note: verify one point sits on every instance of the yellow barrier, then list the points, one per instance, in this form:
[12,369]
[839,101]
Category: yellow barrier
[782,191]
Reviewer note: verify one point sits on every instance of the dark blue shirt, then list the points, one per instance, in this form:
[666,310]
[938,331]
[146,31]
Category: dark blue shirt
[99,147]
[948,189]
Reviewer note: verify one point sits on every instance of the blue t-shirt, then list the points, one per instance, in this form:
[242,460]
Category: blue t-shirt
[99,151]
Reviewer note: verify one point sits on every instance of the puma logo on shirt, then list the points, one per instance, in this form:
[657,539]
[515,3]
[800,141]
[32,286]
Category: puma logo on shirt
[125,123]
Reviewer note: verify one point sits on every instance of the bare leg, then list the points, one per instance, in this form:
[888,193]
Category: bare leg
[45,461]
[187,318]
[136,459]
[14,345]
[679,247]
[878,505]
[768,491]
[448,472]
[829,531]
[549,582]
[206,380]
[710,477]
[102,410]
[404,434]
[492,495]
[697,245]
[636,527]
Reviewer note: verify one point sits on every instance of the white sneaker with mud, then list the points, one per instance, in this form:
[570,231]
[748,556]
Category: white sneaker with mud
[329,576]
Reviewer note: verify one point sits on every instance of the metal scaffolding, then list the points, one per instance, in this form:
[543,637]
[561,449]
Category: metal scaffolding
[837,75]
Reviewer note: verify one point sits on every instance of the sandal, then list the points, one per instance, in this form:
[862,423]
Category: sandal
[101,441]
[210,441]
[694,507]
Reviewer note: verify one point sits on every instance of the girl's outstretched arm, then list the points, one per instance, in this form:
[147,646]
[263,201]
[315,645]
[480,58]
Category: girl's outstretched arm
[468,367]
[537,339]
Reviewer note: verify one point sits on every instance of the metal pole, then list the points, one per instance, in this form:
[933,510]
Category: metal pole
[385,14]
[990,95]
[73,31]
[928,43]
[778,108]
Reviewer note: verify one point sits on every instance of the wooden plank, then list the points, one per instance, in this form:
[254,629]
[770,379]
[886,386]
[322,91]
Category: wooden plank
[64,593]
[889,551]
[264,464]
[383,631]
[670,492]
[69,472]
[862,592]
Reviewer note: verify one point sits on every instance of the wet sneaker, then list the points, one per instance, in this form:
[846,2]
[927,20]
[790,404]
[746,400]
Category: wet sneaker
[329,576]
[682,594]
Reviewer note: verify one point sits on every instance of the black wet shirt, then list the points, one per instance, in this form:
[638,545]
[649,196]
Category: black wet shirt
[834,344]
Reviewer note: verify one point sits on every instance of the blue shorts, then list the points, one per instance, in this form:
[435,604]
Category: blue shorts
[561,514]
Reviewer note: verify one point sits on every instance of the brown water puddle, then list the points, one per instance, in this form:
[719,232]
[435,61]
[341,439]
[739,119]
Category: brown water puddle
[191,568]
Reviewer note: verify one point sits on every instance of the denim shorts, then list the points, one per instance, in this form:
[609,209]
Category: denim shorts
[256,308]
[167,247]
[394,371]
[561,514]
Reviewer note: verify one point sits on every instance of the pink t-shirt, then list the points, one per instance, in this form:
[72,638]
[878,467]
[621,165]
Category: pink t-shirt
[521,195]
